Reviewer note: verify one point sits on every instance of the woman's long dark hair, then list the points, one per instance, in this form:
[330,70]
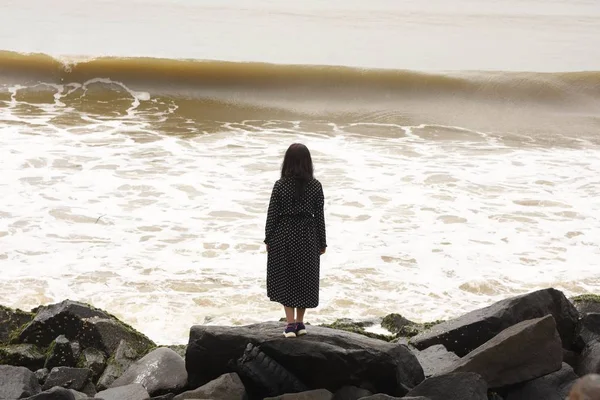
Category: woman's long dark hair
[298,165]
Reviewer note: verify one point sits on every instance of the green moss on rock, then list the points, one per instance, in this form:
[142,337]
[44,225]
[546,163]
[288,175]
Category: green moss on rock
[12,322]
[587,298]
[402,327]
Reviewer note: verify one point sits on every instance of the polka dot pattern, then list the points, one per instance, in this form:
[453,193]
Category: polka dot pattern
[295,234]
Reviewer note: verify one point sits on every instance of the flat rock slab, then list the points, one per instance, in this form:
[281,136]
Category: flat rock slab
[435,359]
[17,383]
[160,371]
[554,386]
[454,386]
[319,394]
[70,378]
[323,359]
[524,351]
[56,393]
[464,334]
[129,392]
[227,386]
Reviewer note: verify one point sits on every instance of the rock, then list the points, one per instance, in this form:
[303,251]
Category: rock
[587,303]
[589,361]
[463,334]
[134,391]
[435,359]
[94,360]
[571,358]
[403,327]
[76,349]
[178,348]
[22,355]
[554,386]
[56,393]
[351,393]
[69,378]
[168,396]
[60,354]
[11,321]
[90,326]
[588,330]
[325,358]
[524,351]
[319,394]
[124,357]
[264,377]
[454,386]
[79,395]
[160,371]
[41,375]
[227,386]
[381,396]
[17,383]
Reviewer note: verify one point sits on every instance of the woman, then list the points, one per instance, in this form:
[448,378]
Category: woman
[295,238]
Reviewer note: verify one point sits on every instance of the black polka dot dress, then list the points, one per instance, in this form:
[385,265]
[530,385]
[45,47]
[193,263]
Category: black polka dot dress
[295,235]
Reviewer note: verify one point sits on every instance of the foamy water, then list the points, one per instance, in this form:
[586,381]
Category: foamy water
[166,231]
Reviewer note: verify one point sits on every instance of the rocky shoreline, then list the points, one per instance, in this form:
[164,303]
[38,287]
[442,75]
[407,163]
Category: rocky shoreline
[533,346]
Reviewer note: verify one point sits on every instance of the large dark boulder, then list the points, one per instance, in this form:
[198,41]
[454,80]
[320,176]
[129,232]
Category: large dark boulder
[160,371]
[60,354]
[11,321]
[22,355]
[589,361]
[324,359]
[227,386]
[123,358]
[17,383]
[524,351]
[554,386]
[464,334]
[69,378]
[435,359]
[318,394]
[351,393]
[455,386]
[134,391]
[90,326]
[588,330]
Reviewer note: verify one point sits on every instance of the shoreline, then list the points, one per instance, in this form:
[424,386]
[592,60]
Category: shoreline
[498,350]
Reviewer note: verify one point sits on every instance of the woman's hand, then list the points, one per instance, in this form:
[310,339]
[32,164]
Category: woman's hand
[323,250]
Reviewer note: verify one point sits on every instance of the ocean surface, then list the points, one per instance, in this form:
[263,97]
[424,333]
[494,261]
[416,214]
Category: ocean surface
[458,144]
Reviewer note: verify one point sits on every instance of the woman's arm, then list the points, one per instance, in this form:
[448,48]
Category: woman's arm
[272,214]
[320,219]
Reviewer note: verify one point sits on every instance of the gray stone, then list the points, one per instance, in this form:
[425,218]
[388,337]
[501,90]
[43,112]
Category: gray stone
[227,386]
[351,393]
[455,386]
[435,359]
[60,354]
[94,360]
[69,378]
[524,351]
[168,396]
[381,396]
[554,386]
[464,334]
[160,371]
[588,330]
[319,394]
[56,393]
[17,383]
[22,355]
[134,391]
[41,375]
[326,358]
[79,395]
[589,362]
[124,357]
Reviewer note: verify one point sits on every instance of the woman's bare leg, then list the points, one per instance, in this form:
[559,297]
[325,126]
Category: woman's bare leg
[300,314]
[289,315]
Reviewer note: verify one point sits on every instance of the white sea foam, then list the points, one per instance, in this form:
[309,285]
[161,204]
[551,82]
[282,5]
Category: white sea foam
[166,231]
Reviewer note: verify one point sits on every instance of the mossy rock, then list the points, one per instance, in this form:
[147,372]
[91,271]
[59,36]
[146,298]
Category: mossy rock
[356,327]
[22,355]
[11,322]
[402,327]
[178,348]
[88,325]
[587,303]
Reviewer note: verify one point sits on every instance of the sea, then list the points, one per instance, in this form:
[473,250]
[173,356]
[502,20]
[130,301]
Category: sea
[458,144]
